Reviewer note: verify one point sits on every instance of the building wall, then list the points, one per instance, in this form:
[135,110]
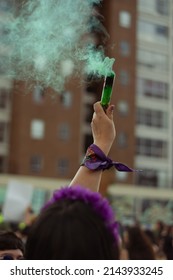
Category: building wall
[154,93]
[120,20]
[56,142]
[141,41]
[67,131]
[50,149]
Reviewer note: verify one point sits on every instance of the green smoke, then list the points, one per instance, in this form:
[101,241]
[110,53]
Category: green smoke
[46,42]
[95,61]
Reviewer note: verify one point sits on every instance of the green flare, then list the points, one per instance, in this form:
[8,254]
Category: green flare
[107,90]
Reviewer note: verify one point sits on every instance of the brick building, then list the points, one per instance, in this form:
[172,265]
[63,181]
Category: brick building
[47,136]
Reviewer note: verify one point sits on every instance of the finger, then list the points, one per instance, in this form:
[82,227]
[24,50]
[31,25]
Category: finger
[109,111]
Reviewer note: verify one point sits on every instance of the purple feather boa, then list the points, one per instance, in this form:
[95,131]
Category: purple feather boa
[99,204]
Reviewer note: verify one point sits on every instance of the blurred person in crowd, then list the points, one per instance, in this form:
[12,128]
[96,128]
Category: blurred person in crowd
[11,246]
[157,247]
[24,227]
[137,244]
[4,226]
[77,223]
[159,227]
[152,239]
[167,242]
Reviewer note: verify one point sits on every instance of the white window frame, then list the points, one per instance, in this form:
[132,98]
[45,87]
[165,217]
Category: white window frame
[37,130]
[125,19]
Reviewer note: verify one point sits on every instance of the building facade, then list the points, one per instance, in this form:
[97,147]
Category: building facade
[142,33]
[154,92]
[48,134]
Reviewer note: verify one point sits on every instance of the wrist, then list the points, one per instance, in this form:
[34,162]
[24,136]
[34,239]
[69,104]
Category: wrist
[95,159]
[104,147]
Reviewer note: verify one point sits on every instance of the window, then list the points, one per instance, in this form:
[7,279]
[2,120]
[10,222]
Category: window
[6,5]
[67,67]
[4,94]
[123,108]
[125,19]
[2,164]
[162,7]
[149,88]
[152,177]
[153,118]
[36,163]
[66,99]
[88,113]
[146,5]
[124,48]
[63,166]
[87,141]
[121,176]
[147,177]
[152,60]
[124,77]
[64,131]
[151,147]
[38,94]
[152,32]
[2,131]
[37,129]
[154,6]
[122,139]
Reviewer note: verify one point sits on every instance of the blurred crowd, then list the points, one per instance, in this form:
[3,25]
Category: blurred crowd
[136,242]
[140,243]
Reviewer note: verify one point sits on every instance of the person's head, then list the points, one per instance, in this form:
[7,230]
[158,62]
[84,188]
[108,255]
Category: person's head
[75,224]
[11,247]
[138,244]
[150,235]
[159,226]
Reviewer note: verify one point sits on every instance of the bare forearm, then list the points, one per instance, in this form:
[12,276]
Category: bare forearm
[103,131]
[87,178]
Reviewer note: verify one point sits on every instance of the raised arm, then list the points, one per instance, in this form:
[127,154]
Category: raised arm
[103,131]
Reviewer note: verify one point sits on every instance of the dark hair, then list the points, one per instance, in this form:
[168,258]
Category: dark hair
[167,240]
[9,241]
[69,229]
[139,246]
[150,235]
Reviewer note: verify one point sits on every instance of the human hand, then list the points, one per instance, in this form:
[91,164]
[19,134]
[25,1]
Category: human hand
[103,128]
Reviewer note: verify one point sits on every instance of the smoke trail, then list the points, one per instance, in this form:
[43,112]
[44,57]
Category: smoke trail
[95,61]
[46,42]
